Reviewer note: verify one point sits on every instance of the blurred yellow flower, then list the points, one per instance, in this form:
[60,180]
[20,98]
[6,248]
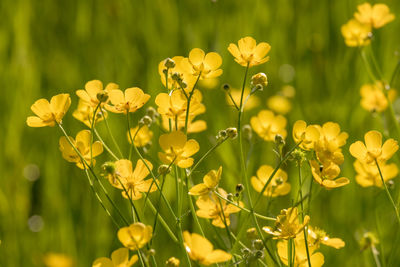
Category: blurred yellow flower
[200,63]
[248,52]
[372,149]
[300,254]
[356,33]
[172,262]
[267,125]
[375,16]
[129,101]
[287,224]
[317,236]
[326,175]
[135,236]
[141,137]
[119,258]
[93,90]
[279,104]
[201,250]
[179,70]
[307,135]
[49,113]
[210,208]
[82,143]
[57,260]
[84,113]
[251,103]
[209,83]
[210,181]
[177,149]
[278,185]
[134,180]
[373,97]
[192,127]
[368,174]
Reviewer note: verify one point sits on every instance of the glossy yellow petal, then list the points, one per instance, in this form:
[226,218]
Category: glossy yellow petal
[33,121]
[196,56]
[217,256]
[93,87]
[358,150]
[116,97]
[334,242]
[191,147]
[102,262]
[213,61]
[199,189]
[141,171]
[373,140]
[120,257]
[42,108]
[389,148]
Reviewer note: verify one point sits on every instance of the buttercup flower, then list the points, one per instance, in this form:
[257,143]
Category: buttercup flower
[201,250]
[178,69]
[267,125]
[49,113]
[135,236]
[372,149]
[247,52]
[326,175]
[278,185]
[368,174]
[307,135]
[177,149]
[210,181]
[373,97]
[129,101]
[82,143]
[356,33]
[119,258]
[141,137]
[84,113]
[251,103]
[92,91]
[375,16]
[287,224]
[210,208]
[279,104]
[205,65]
[133,180]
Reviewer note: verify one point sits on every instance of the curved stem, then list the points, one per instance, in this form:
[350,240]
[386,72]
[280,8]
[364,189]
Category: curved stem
[188,103]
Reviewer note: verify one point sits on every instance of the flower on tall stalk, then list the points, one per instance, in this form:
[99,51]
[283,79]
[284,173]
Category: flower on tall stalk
[287,224]
[368,174]
[119,258]
[202,65]
[356,33]
[326,175]
[267,125]
[94,94]
[373,97]
[307,136]
[210,181]
[278,185]
[375,16]
[177,75]
[128,101]
[84,113]
[135,236]
[300,253]
[249,53]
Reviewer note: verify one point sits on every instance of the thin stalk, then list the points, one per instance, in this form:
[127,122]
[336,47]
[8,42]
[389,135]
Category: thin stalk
[375,254]
[92,134]
[105,146]
[111,135]
[188,103]
[289,252]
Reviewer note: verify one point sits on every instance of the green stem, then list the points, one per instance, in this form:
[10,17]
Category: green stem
[375,255]
[111,135]
[290,251]
[188,103]
[104,145]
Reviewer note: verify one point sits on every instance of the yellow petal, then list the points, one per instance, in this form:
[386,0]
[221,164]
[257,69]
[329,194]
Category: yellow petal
[213,61]
[102,262]
[199,189]
[116,97]
[33,121]
[373,140]
[196,56]
[389,148]
[217,256]
[141,171]
[261,50]
[93,87]
[191,147]
[120,257]
[358,150]
[42,108]
[334,242]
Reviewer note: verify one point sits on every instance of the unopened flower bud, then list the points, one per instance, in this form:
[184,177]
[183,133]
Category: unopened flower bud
[298,156]
[279,140]
[147,120]
[231,132]
[230,197]
[151,252]
[102,96]
[169,63]
[259,79]
[222,135]
[259,254]
[163,169]
[239,188]
[247,132]
[258,244]
[246,251]
[226,87]
[152,113]
[176,76]
[108,167]
[172,262]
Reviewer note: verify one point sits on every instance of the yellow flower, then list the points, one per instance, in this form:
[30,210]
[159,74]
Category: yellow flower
[278,185]
[373,98]
[177,149]
[201,250]
[279,104]
[300,254]
[205,65]
[179,70]
[48,114]
[375,16]
[82,143]
[267,125]
[326,175]
[287,224]
[210,208]
[133,180]
[368,174]
[210,181]
[372,149]
[84,113]
[119,258]
[129,101]
[92,90]
[135,236]
[173,262]
[193,126]
[307,135]
[247,52]
[251,103]
[141,137]
[317,236]
[356,33]
[209,83]
[58,260]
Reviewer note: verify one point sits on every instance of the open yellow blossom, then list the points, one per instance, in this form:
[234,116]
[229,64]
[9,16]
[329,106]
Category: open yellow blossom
[373,98]
[177,149]
[375,16]
[179,70]
[58,260]
[356,33]
[267,125]
[205,65]
[300,257]
[248,52]
[92,90]
[287,224]
[251,103]
[134,180]
[307,135]
[129,101]
[373,149]
[49,113]
[202,250]
[211,207]
[135,236]
[192,126]
[278,185]
[119,258]
[279,104]
[141,137]
[210,181]
[173,262]
[328,147]
[82,143]
[368,174]
[84,113]
[326,175]
[317,236]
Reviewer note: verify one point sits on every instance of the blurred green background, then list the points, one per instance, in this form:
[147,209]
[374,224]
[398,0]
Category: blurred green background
[49,47]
